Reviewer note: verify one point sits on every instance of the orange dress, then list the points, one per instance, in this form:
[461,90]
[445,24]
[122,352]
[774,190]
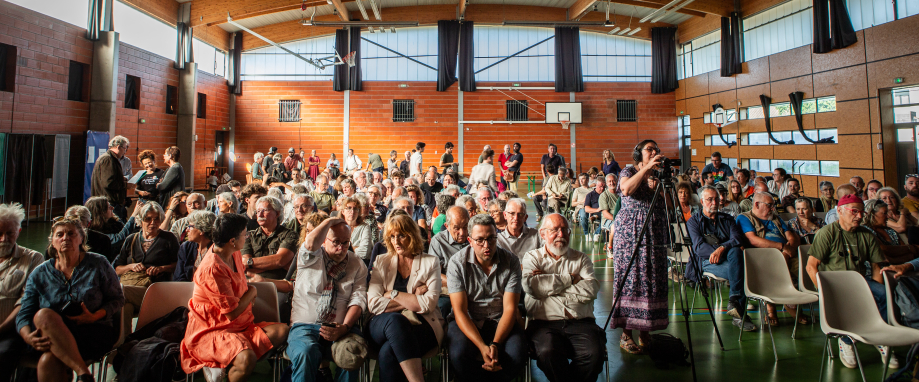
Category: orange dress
[212,339]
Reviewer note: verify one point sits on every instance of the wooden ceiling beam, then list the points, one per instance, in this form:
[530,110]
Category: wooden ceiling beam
[647,4]
[462,8]
[214,12]
[342,11]
[580,8]
[711,7]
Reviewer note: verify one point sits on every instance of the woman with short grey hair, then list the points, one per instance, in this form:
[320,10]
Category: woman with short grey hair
[256,170]
[105,244]
[227,203]
[198,239]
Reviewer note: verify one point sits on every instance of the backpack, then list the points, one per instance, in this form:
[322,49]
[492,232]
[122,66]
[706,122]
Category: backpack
[907,298]
[667,351]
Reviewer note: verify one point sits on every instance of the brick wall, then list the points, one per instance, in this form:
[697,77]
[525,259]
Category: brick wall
[217,119]
[372,129]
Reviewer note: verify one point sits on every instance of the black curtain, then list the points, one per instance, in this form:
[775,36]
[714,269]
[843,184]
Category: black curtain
[766,101]
[3,59]
[466,56]
[340,72]
[568,76]
[354,72]
[25,168]
[832,26]
[731,51]
[448,32]
[797,100]
[663,60]
[75,82]
[130,93]
[235,84]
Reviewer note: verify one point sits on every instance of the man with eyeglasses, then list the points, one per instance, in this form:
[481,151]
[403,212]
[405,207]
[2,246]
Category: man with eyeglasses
[486,343]
[302,207]
[560,291]
[270,248]
[717,242]
[194,202]
[721,172]
[859,184]
[329,296]
[763,228]
[841,192]
[447,242]
[518,238]
[322,195]
[374,196]
[846,246]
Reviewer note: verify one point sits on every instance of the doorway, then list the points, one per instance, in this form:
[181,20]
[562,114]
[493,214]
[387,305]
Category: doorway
[904,116]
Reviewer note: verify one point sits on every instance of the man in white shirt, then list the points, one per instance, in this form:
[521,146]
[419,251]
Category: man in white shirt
[352,162]
[328,300]
[485,171]
[517,238]
[560,292]
[414,166]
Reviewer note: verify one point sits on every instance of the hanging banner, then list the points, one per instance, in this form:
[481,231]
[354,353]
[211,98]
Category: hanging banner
[96,144]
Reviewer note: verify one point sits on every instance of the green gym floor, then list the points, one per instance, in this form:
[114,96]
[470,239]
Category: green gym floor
[749,360]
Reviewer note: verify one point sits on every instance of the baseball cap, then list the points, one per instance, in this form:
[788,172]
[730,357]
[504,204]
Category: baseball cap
[849,199]
[291,150]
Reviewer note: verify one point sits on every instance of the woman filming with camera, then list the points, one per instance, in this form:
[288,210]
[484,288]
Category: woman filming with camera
[643,305]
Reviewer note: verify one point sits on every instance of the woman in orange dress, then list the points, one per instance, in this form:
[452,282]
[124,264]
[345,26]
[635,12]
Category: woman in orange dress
[221,330]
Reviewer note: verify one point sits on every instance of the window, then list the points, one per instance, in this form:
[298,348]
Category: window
[626,110]
[762,139]
[731,162]
[289,111]
[202,105]
[715,140]
[777,29]
[172,99]
[826,104]
[685,140]
[516,110]
[794,167]
[403,110]
[906,104]
[7,68]
[783,109]
[700,55]
[78,82]
[131,92]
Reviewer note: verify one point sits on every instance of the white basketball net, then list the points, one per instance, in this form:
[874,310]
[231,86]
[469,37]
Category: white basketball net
[565,124]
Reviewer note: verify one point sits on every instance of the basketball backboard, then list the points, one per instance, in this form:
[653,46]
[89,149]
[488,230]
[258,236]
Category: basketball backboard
[559,111]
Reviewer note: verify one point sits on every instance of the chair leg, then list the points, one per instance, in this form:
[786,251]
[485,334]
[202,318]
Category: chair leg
[797,314]
[826,345]
[762,306]
[887,364]
[858,359]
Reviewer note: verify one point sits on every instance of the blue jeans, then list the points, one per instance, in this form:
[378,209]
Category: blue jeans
[584,219]
[879,292]
[730,268]
[467,360]
[307,349]
[398,341]
[443,302]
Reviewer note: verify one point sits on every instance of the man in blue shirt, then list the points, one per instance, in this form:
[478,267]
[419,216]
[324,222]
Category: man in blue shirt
[716,241]
[763,228]
[720,171]
[590,211]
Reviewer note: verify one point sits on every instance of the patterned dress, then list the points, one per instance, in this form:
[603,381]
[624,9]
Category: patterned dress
[643,305]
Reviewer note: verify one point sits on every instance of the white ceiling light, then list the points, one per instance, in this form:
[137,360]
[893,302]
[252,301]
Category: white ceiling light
[624,31]
[657,11]
[671,11]
[634,31]
[614,30]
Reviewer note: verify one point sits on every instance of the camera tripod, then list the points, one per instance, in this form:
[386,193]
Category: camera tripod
[665,184]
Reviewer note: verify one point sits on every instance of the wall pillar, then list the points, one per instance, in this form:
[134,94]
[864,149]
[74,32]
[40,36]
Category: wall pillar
[104,83]
[573,160]
[232,145]
[185,134]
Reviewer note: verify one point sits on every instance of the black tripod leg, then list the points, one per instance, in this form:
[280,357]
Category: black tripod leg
[692,355]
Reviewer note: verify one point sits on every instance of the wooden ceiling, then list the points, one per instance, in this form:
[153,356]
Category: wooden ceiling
[280,20]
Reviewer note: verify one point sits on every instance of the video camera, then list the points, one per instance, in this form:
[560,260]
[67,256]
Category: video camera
[665,173]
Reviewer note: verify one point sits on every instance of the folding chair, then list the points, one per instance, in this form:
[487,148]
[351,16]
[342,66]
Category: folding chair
[805,284]
[848,309]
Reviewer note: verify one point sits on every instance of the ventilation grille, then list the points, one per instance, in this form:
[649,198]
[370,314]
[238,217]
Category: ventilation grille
[626,110]
[403,110]
[516,110]
[289,111]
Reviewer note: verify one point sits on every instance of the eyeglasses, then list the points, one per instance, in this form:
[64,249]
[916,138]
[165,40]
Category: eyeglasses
[352,209]
[339,244]
[262,210]
[770,205]
[151,219]
[559,230]
[489,240]
[515,214]
[652,149]
[854,211]
[910,176]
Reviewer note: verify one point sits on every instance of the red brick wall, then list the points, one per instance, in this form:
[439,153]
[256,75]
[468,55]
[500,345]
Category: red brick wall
[372,129]
[217,119]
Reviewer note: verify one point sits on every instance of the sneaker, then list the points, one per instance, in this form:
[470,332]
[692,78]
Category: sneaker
[751,307]
[596,237]
[734,310]
[530,195]
[886,352]
[847,355]
[587,238]
[609,252]
[744,324]
[214,374]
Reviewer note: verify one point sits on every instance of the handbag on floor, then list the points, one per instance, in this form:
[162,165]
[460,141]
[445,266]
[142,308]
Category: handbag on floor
[667,351]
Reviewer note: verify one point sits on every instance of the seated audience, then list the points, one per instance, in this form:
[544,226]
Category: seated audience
[727,205]
[402,299]
[107,245]
[687,206]
[747,204]
[16,264]
[827,200]
[103,216]
[421,214]
[746,188]
[779,183]
[717,241]
[451,240]
[763,228]
[871,189]
[844,245]
[65,313]
[495,209]
[555,193]
[518,239]
[483,196]
[444,202]
[361,231]
[486,342]
[841,191]
[329,297]
[322,195]
[707,179]
[222,332]
[794,193]
[194,202]
[859,184]
[270,248]
[226,203]
[578,194]
[198,240]
[911,199]
[301,208]
[892,248]
[805,223]
[377,211]
[560,292]
[898,217]
[591,211]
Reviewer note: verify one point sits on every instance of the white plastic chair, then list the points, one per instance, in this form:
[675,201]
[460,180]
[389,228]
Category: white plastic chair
[766,280]
[890,287]
[805,284]
[848,309]
[162,298]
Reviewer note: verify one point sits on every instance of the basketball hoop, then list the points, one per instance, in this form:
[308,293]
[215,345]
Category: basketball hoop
[349,59]
[565,124]
[717,117]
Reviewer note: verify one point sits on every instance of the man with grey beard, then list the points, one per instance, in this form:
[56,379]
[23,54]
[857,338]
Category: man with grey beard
[560,292]
[16,264]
